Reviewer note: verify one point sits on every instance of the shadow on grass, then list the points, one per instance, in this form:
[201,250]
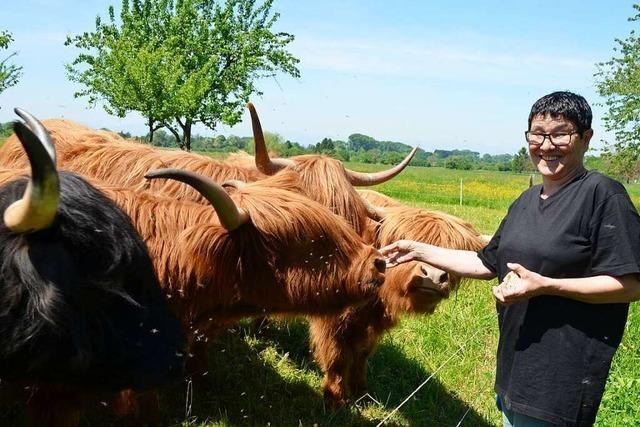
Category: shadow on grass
[392,377]
[247,390]
[270,379]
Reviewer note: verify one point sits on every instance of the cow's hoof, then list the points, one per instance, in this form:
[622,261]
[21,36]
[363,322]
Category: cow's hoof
[334,400]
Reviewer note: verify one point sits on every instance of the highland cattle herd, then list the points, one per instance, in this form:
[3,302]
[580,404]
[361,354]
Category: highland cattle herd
[119,259]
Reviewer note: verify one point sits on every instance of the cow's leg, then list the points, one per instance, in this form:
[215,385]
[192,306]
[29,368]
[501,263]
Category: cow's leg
[334,356]
[342,345]
[358,379]
[358,383]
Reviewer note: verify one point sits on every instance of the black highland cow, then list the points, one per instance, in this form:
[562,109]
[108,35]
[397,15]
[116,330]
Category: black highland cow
[81,312]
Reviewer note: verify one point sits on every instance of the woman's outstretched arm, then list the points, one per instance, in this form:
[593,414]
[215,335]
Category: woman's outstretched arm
[459,262]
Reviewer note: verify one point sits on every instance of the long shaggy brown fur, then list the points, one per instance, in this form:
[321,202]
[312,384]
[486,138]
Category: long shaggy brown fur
[324,180]
[273,264]
[342,344]
[109,158]
[294,257]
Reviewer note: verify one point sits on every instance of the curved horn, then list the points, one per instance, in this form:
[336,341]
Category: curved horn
[374,212]
[263,162]
[231,217]
[37,208]
[234,183]
[39,130]
[364,179]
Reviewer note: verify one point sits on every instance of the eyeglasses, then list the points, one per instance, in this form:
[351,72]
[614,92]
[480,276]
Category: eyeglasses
[557,139]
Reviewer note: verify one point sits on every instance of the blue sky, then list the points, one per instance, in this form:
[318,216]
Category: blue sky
[438,74]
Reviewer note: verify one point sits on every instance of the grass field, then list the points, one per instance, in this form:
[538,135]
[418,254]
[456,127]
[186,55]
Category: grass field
[269,379]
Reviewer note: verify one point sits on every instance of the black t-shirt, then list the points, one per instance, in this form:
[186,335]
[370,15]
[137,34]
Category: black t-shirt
[554,353]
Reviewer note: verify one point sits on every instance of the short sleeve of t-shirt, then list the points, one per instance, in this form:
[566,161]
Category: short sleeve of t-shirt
[615,237]
[489,254]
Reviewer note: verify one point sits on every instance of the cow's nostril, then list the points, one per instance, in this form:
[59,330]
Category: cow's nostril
[444,277]
[380,264]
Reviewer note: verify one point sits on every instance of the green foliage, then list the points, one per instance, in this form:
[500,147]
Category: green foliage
[618,81]
[521,162]
[594,163]
[458,162]
[163,139]
[623,163]
[6,129]
[180,63]
[326,146]
[9,74]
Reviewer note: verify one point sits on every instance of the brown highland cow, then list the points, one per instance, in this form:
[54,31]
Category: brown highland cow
[319,177]
[342,344]
[267,251]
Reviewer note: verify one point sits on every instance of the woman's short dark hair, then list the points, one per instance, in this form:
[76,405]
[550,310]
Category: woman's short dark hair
[568,105]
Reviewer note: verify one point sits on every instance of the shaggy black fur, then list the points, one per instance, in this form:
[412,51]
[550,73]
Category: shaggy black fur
[79,302]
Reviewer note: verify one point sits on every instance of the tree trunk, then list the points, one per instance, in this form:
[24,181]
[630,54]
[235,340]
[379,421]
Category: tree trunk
[174,132]
[153,128]
[151,131]
[185,143]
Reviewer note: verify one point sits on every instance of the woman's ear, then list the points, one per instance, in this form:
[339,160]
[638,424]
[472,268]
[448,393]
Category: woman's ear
[586,138]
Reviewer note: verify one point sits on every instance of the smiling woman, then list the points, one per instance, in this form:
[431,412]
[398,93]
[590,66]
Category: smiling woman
[557,143]
[568,257]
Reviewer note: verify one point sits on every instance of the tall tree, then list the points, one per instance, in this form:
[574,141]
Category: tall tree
[181,62]
[618,81]
[521,162]
[9,74]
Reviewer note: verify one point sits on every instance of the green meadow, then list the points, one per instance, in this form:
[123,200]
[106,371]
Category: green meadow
[269,379]
[437,369]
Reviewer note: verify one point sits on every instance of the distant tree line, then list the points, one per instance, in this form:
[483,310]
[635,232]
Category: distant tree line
[357,148]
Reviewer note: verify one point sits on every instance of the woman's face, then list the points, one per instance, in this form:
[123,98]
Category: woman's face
[558,162]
